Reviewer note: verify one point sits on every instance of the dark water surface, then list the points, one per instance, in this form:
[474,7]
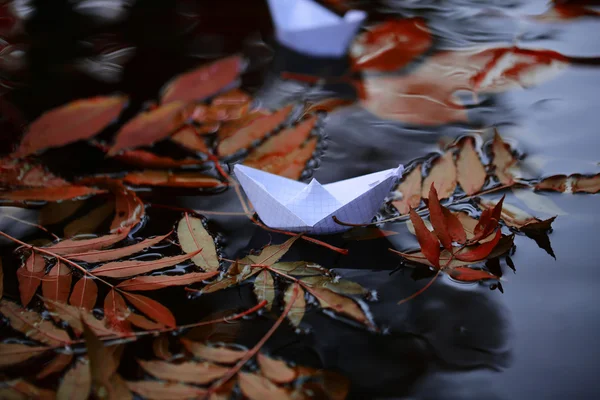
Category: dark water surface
[537,340]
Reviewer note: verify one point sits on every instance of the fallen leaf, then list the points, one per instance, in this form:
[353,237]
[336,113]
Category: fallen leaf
[19,389]
[409,191]
[390,45]
[503,160]
[468,223]
[144,323]
[76,246]
[466,274]
[157,390]
[172,179]
[84,119]
[478,252]
[257,387]
[556,183]
[149,127]
[146,159]
[85,293]
[56,285]
[290,165]
[294,299]
[470,171]
[517,218]
[235,96]
[228,281]
[155,282]
[203,82]
[33,325]
[438,219]
[586,184]
[123,269]
[275,370]
[115,254]
[29,276]
[187,372]
[89,222]
[454,226]
[443,175]
[256,129]
[53,213]
[77,382]
[14,353]
[269,255]
[300,268]
[226,112]
[74,316]
[119,389]
[116,311]
[189,139]
[160,346]
[336,285]
[222,355]
[194,238]
[23,173]
[54,193]
[152,309]
[340,304]
[103,363]
[327,105]
[56,365]
[129,208]
[264,288]
[427,240]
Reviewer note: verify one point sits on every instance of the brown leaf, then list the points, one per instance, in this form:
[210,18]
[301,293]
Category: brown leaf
[160,346]
[14,353]
[77,382]
[31,324]
[115,254]
[56,285]
[276,370]
[74,317]
[78,120]
[123,269]
[290,165]
[226,112]
[156,390]
[556,183]
[119,389]
[152,309]
[341,304]
[149,127]
[300,268]
[294,298]
[146,159]
[22,390]
[129,208]
[409,191]
[194,238]
[155,282]
[222,355]
[517,218]
[76,246]
[228,281]
[203,82]
[264,288]
[103,363]
[55,193]
[327,105]
[89,222]
[443,175]
[231,127]
[57,365]
[187,372]
[427,240]
[257,387]
[85,293]
[586,184]
[269,255]
[143,323]
[116,311]
[171,179]
[256,129]
[339,286]
[502,159]
[466,274]
[189,139]
[30,276]
[470,171]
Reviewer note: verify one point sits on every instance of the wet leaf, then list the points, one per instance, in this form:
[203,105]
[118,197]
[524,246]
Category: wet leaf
[454,226]
[54,193]
[146,159]
[189,139]
[162,281]
[409,191]
[149,127]
[256,129]
[116,311]
[160,346]
[14,353]
[76,246]
[275,370]
[85,293]
[187,372]
[22,390]
[57,365]
[503,160]
[143,323]
[556,183]
[123,269]
[480,251]
[204,81]
[294,298]
[466,274]
[85,118]
[391,45]
[235,96]
[77,382]
[339,286]
[194,238]
[222,355]
[230,280]
[470,171]
[119,389]
[342,305]
[30,277]
[586,184]
[74,317]
[257,387]
[264,288]
[290,165]
[53,213]
[23,173]
[427,240]
[56,284]
[33,326]
[300,268]
[269,255]
[438,219]
[103,363]
[442,175]
[172,179]
[367,233]
[129,208]
[517,218]
[469,225]
[115,254]
[90,221]
[151,308]
[156,390]
[226,112]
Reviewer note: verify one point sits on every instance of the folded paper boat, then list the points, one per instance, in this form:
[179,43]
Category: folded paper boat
[312,29]
[295,206]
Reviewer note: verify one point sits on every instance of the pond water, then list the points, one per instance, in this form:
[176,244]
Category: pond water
[537,339]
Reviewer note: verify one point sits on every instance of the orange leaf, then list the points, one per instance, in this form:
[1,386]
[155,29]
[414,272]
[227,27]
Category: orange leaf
[162,281]
[144,323]
[235,96]
[129,209]
[556,183]
[438,220]
[443,175]
[585,184]
[20,389]
[54,193]
[478,252]
[429,243]
[33,325]
[471,174]
[257,387]
[169,179]
[115,254]
[217,354]
[152,309]
[146,159]
[69,123]
[74,316]
[30,277]
[502,160]
[275,370]
[14,353]
[70,246]
[203,82]
[76,384]
[466,274]
[84,294]
[187,372]
[189,139]
[290,165]
[409,190]
[56,285]
[123,269]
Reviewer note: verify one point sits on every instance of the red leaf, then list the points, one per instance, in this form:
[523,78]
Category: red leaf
[116,311]
[129,209]
[162,281]
[466,274]
[152,309]
[488,221]
[30,277]
[169,179]
[226,112]
[85,293]
[115,254]
[33,325]
[122,269]
[234,96]
[479,252]
[75,121]
[149,127]
[71,246]
[427,240]
[16,172]
[144,323]
[391,45]
[455,228]
[53,193]
[189,139]
[56,285]
[290,165]
[203,82]
[146,159]
[57,365]
[438,221]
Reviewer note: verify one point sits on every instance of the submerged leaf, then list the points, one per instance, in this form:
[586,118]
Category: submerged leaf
[194,238]
[264,288]
[294,300]
[116,311]
[340,304]
[89,222]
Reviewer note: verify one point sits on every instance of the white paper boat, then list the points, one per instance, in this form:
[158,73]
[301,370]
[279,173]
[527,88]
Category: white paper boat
[310,28]
[299,207]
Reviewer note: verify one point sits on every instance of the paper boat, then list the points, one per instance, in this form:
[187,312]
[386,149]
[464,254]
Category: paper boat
[299,207]
[310,28]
